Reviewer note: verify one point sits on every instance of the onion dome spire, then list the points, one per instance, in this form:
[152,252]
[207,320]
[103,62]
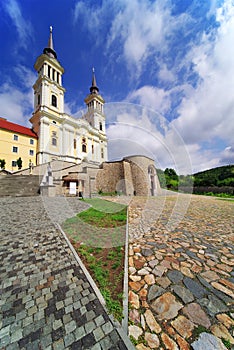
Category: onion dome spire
[94,89]
[49,50]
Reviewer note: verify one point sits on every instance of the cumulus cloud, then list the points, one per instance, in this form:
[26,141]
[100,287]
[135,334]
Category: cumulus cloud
[139,130]
[16,102]
[152,97]
[207,111]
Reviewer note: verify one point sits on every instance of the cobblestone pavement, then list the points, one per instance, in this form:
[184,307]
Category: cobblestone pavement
[181,273]
[46,300]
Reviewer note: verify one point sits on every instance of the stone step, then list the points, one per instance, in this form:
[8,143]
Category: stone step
[19,185]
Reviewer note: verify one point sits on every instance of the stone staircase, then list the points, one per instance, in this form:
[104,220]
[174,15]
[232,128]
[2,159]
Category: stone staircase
[19,185]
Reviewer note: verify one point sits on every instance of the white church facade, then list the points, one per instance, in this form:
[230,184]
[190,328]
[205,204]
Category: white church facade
[61,136]
[72,152]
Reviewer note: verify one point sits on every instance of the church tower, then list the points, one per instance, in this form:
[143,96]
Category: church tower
[94,102]
[61,136]
[48,98]
[96,118]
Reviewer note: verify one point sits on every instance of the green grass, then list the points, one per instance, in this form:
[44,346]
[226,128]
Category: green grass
[104,222]
[103,219]
[227,343]
[108,282]
[105,206]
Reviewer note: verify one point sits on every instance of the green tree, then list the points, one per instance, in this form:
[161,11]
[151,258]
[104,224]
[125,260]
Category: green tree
[19,163]
[172,178]
[161,178]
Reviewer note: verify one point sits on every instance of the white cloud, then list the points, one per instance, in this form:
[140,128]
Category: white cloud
[16,103]
[137,30]
[165,74]
[152,97]
[138,130]
[207,111]
[23,26]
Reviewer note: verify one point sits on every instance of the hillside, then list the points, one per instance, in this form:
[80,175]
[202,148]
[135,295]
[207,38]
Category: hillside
[213,181]
[221,176]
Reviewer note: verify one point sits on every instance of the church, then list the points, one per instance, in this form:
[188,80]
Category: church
[71,154]
[60,136]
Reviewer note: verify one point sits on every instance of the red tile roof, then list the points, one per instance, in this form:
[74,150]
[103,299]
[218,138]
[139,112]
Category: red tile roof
[4,124]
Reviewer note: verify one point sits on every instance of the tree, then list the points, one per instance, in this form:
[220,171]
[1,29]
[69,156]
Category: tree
[161,178]
[171,178]
[2,163]
[19,163]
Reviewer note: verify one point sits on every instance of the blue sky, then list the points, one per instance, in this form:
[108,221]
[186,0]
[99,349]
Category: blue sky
[164,67]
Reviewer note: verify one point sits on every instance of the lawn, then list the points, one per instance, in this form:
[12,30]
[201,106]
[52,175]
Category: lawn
[98,235]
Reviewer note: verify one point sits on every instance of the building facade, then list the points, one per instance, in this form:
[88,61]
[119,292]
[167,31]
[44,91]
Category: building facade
[16,142]
[61,136]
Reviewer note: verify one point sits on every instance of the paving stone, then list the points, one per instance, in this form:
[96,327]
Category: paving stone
[183,326]
[175,276]
[154,292]
[183,293]
[196,315]
[166,306]
[207,341]
[213,305]
[195,288]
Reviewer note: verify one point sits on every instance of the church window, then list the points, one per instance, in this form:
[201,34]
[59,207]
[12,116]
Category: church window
[54,138]
[53,75]
[58,77]
[84,146]
[54,100]
[16,137]
[92,149]
[74,143]
[49,69]
[100,126]
[15,149]
[102,153]
[38,99]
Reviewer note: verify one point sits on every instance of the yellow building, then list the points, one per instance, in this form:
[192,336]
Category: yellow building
[16,142]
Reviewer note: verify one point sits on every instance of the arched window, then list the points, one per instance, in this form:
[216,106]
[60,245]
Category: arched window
[84,146]
[100,126]
[92,149]
[54,138]
[54,100]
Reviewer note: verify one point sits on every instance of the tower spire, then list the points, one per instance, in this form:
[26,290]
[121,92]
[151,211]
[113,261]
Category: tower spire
[49,50]
[94,89]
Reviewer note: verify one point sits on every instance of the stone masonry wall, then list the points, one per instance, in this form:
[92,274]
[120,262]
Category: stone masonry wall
[110,178]
[140,182]
[129,187]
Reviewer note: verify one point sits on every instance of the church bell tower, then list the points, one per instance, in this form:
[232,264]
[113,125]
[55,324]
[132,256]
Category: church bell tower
[48,98]
[94,102]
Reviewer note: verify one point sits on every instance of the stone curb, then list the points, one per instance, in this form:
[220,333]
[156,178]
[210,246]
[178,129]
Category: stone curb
[115,323]
[125,286]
